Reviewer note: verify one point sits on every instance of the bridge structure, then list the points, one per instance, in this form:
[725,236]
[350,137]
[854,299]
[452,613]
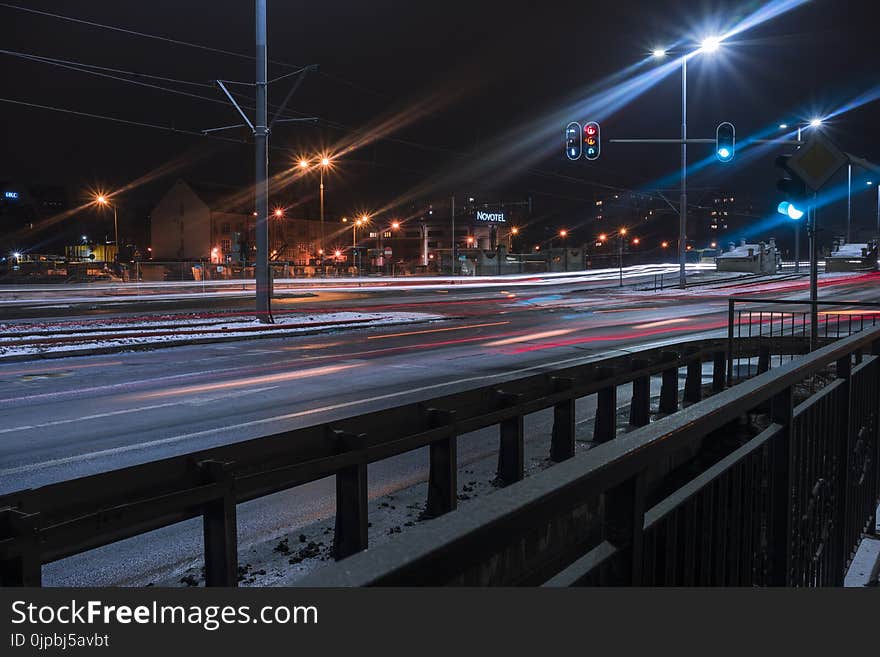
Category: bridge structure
[771,481]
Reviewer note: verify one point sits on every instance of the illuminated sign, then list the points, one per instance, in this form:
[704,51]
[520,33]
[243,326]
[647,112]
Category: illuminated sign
[493,217]
[10,194]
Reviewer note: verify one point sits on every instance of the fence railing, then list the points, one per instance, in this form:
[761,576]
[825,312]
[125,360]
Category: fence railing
[785,507]
[45,524]
[771,318]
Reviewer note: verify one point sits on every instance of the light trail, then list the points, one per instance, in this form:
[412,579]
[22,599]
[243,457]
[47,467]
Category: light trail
[256,380]
[437,330]
[529,337]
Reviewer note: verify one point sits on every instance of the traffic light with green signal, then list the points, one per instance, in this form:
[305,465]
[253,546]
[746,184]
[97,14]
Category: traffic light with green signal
[725,142]
[793,189]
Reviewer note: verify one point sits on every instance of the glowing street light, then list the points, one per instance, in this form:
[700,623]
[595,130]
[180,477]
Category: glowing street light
[279,212]
[815,123]
[710,44]
[303,164]
[563,233]
[101,199]
[395,225]
[658,53]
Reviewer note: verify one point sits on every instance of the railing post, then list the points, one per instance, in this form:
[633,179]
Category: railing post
[730,304]
[718,363]
[763,360]
[623,526]
[220,527]
[640,405]
[669,385]
[443,470]
[605,425]
[350,532]
[562,441]
[511,452]
[781,474]
[842,519]
[693,384]
[20,563]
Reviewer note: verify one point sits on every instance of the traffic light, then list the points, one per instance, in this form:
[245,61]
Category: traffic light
[725,142]
[573,141]
[793,189]
[592,141]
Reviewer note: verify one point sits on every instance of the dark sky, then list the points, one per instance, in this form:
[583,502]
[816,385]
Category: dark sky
[464,84]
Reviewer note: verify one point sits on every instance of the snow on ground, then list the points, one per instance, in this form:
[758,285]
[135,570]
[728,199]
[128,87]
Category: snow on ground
[181,330]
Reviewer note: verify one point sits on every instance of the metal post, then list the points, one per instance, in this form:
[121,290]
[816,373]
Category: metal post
[848,202]
[620,259]
[814,277]
[115,232]
[878,211]
[261,151]
[682,212]
[453,234]
[797,247]
[321,248]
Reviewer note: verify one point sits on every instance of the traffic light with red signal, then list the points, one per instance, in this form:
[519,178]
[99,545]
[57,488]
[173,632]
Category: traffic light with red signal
[592,140]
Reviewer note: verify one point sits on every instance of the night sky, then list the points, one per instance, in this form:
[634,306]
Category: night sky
[459,86]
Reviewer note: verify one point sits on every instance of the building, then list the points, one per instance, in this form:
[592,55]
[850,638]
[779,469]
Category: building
[423,236]
[758,258]
[217,224]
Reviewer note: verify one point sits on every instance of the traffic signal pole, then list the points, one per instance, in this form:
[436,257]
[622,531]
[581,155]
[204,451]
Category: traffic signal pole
[814,277]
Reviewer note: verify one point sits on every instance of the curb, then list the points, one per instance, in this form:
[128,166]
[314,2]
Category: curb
[151,346]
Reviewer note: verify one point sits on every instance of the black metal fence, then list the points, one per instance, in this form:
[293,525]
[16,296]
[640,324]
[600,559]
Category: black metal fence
[772,318]
[41,525]
[787,507]
[589,510]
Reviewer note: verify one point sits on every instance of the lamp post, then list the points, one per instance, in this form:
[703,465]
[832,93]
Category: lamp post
[513,231]
[870,184]
[621,235]
[324,162]
[708,45]
[101,199]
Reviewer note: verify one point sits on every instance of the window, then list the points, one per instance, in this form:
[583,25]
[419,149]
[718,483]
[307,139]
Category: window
[226,245]
[374,234]
[386,234]
[225,228]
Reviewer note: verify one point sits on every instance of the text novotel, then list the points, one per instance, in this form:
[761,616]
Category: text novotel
[495,217]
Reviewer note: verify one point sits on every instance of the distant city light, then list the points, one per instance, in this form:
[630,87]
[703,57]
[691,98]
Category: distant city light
[563,233]
[870,182]
[603,237]
[623,231]
[515,230]
[665,245]
[783,126]
[16,255]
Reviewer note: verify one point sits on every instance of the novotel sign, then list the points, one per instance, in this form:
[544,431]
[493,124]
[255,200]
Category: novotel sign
[10,194]
[493,217]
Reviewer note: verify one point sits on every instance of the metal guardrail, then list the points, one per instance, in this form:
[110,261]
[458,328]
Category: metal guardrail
[771,318]
[45,524]
[787,507]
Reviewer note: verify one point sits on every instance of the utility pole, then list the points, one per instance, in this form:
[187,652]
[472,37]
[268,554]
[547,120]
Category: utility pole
[848,202]
[261,152]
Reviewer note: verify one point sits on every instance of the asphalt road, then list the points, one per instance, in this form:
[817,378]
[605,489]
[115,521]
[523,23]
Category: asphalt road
[77,416]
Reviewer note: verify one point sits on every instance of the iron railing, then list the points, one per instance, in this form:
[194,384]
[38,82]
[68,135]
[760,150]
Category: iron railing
[758,319]
[786,507]
[55,521]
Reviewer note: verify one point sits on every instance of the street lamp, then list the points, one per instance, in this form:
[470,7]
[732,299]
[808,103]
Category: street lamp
[101,199]
[324,162]
[709,45]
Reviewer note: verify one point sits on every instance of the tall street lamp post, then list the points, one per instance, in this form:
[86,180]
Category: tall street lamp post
[102,199]
[708,45]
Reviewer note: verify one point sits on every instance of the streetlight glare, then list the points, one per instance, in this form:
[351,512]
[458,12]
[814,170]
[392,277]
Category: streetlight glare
[303,164]
[783,126]
[658,52]
[100,198]
[815,123]
[710,44]
[325,161]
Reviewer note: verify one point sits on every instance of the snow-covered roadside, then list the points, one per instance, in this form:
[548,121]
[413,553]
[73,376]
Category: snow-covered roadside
[47,339]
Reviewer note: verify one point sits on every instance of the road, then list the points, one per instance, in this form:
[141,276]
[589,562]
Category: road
[77,416]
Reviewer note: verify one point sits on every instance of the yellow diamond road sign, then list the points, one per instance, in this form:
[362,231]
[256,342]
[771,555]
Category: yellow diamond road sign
[817,161]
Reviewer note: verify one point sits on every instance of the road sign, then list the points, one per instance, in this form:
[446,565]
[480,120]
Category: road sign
[817,161]
[387,251]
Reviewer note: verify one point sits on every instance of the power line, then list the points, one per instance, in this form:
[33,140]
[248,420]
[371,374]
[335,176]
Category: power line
[144,35]
[140,124]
